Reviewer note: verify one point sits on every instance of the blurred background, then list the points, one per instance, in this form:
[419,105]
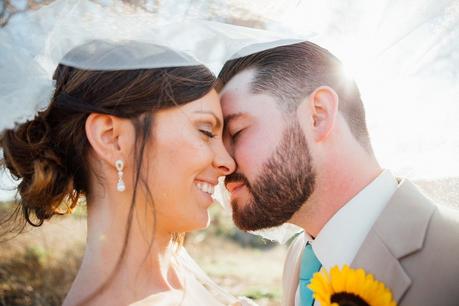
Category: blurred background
[404,56]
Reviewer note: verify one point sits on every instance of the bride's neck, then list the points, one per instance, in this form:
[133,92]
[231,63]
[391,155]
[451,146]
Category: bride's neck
[145,266]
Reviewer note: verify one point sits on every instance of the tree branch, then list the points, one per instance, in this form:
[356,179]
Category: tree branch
[8,9]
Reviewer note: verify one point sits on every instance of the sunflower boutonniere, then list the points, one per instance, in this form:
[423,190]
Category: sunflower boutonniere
[349,287]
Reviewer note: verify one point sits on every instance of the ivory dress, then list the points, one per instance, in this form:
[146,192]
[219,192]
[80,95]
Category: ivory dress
[198,288]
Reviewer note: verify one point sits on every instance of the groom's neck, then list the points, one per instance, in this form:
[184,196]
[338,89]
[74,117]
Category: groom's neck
[336,184]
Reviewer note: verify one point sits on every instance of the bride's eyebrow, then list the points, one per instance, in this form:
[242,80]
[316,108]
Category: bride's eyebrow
[218,121]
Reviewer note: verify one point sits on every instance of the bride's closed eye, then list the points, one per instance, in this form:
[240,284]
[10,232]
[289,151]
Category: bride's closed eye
[208,124]
[236,130]
[206,128]
[207,133]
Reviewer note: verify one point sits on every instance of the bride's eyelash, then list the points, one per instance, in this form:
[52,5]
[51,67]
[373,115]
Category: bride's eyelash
[207,133]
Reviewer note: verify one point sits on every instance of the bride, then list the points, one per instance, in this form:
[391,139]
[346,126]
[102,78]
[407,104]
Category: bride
[144,147]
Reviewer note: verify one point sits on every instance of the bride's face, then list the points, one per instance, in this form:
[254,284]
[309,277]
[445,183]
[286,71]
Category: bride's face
[186,158]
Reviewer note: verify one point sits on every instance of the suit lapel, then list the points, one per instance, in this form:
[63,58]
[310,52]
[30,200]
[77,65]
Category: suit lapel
[375,258]
[398,232]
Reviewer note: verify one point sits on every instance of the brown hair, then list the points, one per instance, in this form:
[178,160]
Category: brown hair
[292,72]
[49,154]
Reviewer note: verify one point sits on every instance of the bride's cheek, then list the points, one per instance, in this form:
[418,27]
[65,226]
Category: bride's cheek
[203,154]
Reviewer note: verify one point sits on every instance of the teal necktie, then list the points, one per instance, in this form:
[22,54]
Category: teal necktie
[309,265]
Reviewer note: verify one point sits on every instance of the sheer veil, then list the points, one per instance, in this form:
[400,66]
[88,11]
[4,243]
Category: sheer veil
[403,54]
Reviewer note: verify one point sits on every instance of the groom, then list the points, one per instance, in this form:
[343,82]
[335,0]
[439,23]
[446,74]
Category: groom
[297,131]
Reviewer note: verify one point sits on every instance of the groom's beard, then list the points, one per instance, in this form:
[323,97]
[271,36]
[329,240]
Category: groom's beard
[286,182]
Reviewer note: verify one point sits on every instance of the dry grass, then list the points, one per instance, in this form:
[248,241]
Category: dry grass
[242,271]
[38,267]
[35,277]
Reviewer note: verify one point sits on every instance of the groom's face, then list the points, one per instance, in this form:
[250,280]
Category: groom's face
[274,174]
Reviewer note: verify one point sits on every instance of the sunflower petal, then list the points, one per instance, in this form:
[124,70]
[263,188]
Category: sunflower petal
[354,281]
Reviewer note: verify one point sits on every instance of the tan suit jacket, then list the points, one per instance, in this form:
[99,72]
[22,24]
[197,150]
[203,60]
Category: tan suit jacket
[413,248]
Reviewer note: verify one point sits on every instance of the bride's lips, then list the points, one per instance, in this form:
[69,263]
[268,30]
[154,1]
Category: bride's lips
[206,189]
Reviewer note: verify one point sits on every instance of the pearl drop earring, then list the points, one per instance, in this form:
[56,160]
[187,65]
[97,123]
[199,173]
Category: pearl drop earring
[120,186]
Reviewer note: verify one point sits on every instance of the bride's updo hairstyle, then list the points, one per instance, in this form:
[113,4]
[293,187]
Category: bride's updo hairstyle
[48,155]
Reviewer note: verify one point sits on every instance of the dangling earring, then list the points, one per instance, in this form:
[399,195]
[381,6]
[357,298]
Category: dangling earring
[120,186]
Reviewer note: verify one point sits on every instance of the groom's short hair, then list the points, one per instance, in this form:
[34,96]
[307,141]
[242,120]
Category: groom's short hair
[291,72]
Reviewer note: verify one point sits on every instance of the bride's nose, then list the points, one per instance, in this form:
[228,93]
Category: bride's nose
[223,161]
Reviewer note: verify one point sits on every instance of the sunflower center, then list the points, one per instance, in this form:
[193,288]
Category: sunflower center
[348,299]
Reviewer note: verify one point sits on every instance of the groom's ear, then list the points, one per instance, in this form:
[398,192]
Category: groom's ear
[322,106]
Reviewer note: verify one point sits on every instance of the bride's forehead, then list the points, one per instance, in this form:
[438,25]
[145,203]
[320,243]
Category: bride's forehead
[209,102]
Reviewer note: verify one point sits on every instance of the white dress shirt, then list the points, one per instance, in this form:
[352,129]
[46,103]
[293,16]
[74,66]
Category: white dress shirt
[341,237]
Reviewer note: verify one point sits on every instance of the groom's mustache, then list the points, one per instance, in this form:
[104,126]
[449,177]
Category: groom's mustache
[236,177]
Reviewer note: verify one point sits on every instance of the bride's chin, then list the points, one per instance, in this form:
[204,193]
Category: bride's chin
[204,221]
[199,222]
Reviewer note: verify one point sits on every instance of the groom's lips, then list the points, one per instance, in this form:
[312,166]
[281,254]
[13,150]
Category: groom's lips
[233,186]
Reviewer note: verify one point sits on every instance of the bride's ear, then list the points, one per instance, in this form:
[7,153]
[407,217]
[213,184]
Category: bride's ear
[110,137]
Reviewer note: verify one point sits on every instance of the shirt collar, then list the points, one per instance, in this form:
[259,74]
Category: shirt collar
[341,237]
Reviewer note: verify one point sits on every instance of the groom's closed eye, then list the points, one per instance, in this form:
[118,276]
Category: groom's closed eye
[234,125]
[235,134]
[235,131]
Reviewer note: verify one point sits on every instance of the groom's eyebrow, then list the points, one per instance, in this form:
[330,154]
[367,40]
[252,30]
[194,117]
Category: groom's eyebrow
[228,118]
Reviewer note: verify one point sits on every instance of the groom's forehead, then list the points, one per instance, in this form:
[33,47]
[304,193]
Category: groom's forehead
[239,84]
[237,106]
[237,97]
